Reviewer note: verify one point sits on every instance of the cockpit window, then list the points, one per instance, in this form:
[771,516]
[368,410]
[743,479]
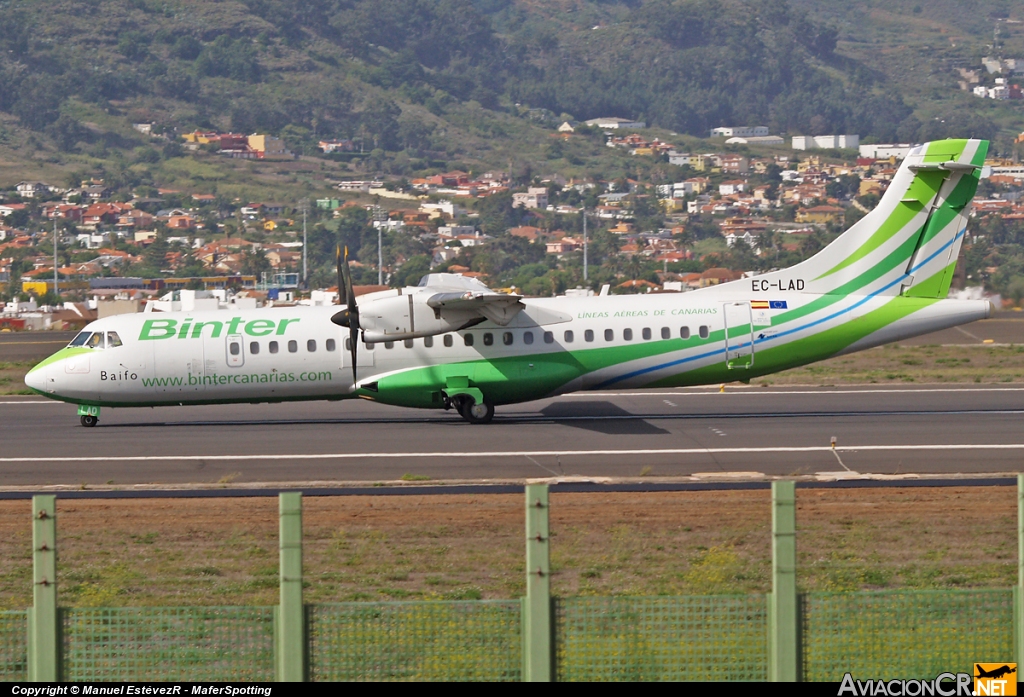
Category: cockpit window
[80,339]
[95,341]
[113,340]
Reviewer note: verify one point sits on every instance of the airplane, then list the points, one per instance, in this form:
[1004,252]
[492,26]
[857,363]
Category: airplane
[451,342]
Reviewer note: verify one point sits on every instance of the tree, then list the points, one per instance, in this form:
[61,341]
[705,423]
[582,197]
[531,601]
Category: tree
[255,262]
[410,273]
[66,131]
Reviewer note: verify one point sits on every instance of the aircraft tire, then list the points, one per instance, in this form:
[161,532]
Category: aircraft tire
[476,413]
[88,421]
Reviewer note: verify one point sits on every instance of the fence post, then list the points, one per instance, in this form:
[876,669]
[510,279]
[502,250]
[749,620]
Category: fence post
[1018,594]
[538,655]
[43,630]
[783,640]
[290,649]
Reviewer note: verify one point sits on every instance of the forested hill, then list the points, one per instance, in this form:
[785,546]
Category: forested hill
[402,72]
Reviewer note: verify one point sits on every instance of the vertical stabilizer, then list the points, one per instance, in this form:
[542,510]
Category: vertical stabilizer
[909,243]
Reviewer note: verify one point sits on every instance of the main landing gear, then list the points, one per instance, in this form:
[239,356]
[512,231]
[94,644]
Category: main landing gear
[472,411]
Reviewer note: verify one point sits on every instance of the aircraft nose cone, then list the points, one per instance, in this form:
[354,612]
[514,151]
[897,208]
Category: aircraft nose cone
[36,379]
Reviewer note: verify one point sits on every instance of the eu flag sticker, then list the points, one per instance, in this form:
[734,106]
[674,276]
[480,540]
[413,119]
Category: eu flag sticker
[777,305]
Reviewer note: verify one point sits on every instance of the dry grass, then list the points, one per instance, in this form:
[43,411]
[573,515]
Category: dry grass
[224,551]
[12,377]
[921,364]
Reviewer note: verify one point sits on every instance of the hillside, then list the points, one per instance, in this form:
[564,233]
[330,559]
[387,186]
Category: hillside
[419,84]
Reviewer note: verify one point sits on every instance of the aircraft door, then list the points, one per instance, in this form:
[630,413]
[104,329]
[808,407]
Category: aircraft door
[178,367]
[739,335]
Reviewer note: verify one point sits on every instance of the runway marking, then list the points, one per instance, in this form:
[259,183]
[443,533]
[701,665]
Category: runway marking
[744,391]
[527,453]
[36,402]
[27,343]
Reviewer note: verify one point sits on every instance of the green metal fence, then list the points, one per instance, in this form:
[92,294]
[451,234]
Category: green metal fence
[13,646]
[662,638]
[183,643]
[779,636]
[904,634]
[460,640]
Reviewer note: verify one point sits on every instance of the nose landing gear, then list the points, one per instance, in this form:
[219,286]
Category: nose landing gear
[88,416]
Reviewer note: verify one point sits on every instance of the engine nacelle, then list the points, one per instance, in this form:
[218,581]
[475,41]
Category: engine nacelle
[408,316]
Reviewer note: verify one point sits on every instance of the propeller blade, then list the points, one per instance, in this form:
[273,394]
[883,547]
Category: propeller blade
[351,311]
[342,298]
[353,341]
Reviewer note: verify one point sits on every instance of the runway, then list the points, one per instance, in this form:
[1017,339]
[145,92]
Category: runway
[660,433]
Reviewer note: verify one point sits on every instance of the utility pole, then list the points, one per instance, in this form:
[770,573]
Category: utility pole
[56,292]
[305,244]
[584,242]
[378,218]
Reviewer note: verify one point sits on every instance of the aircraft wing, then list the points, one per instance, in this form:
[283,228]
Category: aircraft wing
[497,307]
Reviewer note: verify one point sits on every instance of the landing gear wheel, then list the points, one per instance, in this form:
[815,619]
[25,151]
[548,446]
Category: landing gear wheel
[476,413]
[89,421]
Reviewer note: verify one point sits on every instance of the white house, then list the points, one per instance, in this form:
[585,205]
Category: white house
[614,122]
[733,186]
[678,158]
[535,197]
[32,189]
[456,230]
[825,142]
[883,151]
[739,131]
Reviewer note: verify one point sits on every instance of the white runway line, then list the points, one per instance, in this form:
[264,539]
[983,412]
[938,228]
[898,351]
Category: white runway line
[49,401]
[746,391]
[523,453]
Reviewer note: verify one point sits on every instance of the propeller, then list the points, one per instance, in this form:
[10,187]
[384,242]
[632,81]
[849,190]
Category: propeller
[349,317]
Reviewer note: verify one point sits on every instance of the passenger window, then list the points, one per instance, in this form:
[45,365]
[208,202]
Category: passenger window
[568,336]
[549,337]
[666,333]
[331,345]
[311,345]
[684,332]
[588,335]
[293,346]
[646,333]
[428,341]
[627,334]
[389,344]
[348,344]
[80,339]
[234,348]
[528,338]
[468,339]
[95,341]
[506,338]
[448,341]
[272,347]
[254,347]
[609,335]
[704,331]
[488,339]
[408,343]
[113,340]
